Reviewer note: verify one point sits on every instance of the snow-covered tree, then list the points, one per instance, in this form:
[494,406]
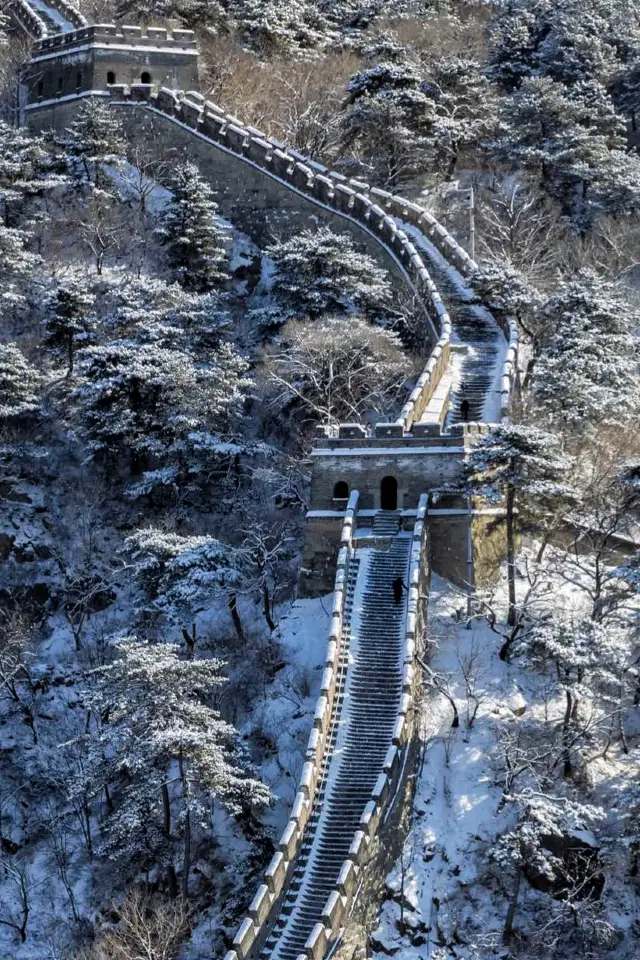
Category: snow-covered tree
[465,109]
[182,575]
[69,317]
[533,849]
[337,369]
[20,384]
[626,89]
[17,268]
[587,372]
[388,121]
[274,26]
[524,465]
[29,168]
[192,233]
[145,401]
[565,40]
[162,753]
[507,294]
[150,310]
[574,139]
[586,660]
[94,140]
[323,272]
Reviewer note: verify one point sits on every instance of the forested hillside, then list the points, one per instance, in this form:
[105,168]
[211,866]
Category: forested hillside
[162,378]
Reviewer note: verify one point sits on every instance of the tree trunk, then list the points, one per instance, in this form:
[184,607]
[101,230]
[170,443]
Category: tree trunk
[70,355]
[566,729]
[186,864]
[511,554]
[235,616]
[266,606]
[511,913]
[172,882]
[166,810]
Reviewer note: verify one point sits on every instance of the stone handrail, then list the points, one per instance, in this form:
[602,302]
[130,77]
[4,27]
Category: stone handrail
[386,787]
[28,19]
[350,198]
[256,925]
[510,370]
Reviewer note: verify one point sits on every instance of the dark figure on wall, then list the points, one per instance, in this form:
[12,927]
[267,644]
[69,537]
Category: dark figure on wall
[398,587]
[464,409]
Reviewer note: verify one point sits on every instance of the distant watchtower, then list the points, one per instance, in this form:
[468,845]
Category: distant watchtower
[88,61]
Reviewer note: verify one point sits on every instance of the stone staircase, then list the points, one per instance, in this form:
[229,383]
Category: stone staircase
[367,698]
[386,523]
[473,327]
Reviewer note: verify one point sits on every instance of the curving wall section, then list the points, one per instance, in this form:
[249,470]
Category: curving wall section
[380,212]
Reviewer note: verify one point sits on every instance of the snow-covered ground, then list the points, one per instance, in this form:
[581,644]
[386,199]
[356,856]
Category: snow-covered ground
[454,901]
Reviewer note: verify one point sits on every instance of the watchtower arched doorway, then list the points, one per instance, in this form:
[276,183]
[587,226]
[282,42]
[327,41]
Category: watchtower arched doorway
[389,493]
[145,77]
[341,491]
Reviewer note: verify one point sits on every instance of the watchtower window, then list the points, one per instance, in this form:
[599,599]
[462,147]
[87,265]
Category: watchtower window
[111,77]
[40,89]
[145,77]
[341,490]
[79,80]
[59,84]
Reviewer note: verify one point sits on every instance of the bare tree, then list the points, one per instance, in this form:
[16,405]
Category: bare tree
[149,928]
[18,887]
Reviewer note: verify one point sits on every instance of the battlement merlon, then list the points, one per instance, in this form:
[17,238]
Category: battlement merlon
[115,36]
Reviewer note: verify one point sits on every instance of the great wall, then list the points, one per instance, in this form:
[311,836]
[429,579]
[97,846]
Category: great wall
[371,518]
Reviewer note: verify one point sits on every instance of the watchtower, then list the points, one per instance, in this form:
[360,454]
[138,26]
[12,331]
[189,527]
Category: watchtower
[88,61]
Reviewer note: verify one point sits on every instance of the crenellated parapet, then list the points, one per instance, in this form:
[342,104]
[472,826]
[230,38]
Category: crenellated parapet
[114,36]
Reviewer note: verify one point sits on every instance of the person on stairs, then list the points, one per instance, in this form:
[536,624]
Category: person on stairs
[464,410]
[398,586]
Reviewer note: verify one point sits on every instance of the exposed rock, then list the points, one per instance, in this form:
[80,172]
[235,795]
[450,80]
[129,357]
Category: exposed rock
[517,704]
[7,541]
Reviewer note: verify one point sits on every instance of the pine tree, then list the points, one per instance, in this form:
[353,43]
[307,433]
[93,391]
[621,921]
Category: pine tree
[157,746]
[192,232]
[525,465]
[585,659]
[69,317]
[182,575]
[17,267]
[95,139]
[323,272]
[20,384]
[388,121]
[587,372]
[528,848]
[143,400]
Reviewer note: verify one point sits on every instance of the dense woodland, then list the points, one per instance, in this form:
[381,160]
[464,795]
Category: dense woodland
[161,379]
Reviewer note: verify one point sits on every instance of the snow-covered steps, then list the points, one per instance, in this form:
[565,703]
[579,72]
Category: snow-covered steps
[361,735]
[56,20]
[478,380]
[386,523]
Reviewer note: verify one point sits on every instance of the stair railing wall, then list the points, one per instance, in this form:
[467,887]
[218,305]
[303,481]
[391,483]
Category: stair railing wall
[264,906]
[28,19]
